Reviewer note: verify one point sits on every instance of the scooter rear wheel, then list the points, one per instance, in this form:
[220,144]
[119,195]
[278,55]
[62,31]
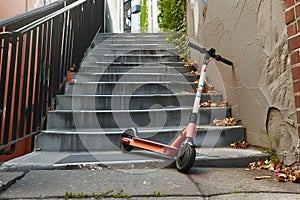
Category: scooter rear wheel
[186,160]
[126,147]
[129,133]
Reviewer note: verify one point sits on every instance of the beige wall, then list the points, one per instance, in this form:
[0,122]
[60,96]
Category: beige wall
[116,13]
[11,8]
[253,35]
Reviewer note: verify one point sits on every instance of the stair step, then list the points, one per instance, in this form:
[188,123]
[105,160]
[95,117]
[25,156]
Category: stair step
[205,157]
[109,139]
[101,50]
[133,88]
[158,117]
[137,46]
[132,58]
[125,41]
[123,36]
[136,69]
[132,76]
[133,35]
[128,102]
[133,64]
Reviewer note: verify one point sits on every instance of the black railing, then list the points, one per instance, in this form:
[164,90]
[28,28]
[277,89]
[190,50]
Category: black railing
[37,51]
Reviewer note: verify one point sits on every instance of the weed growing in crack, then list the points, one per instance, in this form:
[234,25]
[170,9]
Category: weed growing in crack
[109,193]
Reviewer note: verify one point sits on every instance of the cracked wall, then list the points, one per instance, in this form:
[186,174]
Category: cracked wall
[260,87]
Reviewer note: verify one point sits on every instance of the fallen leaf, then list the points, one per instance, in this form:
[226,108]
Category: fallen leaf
[283,174]
[230,121]
[192,73]
[262,177]
[190,64]
[296,177]
[280,179]
[240,145]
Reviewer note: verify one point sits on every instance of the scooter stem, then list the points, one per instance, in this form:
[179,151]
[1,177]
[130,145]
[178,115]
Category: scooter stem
[199,90]
[191,128]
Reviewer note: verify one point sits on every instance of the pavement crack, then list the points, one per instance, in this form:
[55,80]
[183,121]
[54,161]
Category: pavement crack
[247,192]
[195,183]
[10,182]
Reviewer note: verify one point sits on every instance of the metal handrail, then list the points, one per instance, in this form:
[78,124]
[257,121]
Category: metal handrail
[34,63]
[48,17]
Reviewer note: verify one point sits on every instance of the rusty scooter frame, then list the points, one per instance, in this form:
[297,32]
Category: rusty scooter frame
[183,148]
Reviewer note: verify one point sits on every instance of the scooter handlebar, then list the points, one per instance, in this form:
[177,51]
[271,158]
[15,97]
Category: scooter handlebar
[224,60]
[197,47]
[211,53]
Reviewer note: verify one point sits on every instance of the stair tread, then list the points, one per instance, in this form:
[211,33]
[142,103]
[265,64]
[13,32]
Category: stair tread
[129,55]
[126,95]
[148,65]
[132,82]
[140,130]
[140,63]
[145,110]
[135,95]
[153,49]
[132,73]
[207,157]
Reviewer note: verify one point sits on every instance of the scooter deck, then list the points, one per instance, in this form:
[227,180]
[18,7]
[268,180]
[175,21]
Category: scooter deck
[151,146]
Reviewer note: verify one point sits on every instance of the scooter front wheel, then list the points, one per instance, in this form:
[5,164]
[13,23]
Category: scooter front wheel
[185,161]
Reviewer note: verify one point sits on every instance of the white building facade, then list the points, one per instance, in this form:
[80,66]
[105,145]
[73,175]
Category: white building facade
[153,13]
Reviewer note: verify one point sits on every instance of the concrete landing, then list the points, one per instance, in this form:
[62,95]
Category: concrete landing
[206,157]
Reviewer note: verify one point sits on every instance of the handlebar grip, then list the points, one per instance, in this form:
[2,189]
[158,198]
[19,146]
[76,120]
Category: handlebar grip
[223,60]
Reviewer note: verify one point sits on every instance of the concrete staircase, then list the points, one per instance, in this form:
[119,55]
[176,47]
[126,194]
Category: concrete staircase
[136,84]
[128,80]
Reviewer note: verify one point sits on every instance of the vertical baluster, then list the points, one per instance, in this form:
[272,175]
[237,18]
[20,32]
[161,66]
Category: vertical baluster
[3,79]
[9,91]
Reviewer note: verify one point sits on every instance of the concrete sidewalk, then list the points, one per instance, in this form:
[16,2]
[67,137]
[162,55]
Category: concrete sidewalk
[165,184]
[206,157]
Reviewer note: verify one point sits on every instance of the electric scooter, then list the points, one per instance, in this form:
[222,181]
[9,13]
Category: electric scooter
[183,148]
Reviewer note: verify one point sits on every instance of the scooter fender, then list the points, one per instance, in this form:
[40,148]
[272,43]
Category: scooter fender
[187,142]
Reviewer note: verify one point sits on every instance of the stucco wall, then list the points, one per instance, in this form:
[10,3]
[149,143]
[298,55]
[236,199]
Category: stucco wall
[260,87]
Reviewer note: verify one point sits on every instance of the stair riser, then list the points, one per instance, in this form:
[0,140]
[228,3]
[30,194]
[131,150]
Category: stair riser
[129,64]
[125,41]
[80,78]
[130,46]
[74,142]
[102,40]
[124,58]
[162,69]
[100,142]
[130,119]
[127,102]
[127,89]
[204,137]
[134,51]
[144,36]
